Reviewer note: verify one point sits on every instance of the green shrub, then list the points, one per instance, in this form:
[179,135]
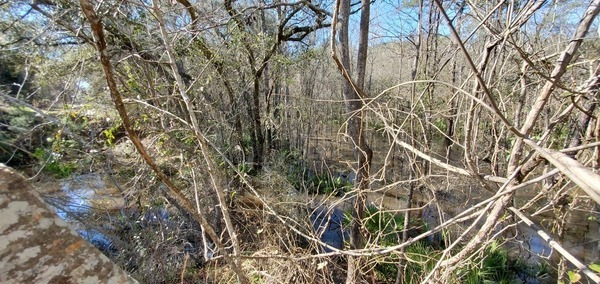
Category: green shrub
[384,225]
[494,266]
[21,118]
[52,164]
[326,184]
[421,258]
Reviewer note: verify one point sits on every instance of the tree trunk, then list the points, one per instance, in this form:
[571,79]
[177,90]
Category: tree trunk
[172,190]
[583,121]
[259,138]
[353,97]
[449,140]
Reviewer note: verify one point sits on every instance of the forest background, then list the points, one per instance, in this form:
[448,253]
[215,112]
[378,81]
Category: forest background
[429,136]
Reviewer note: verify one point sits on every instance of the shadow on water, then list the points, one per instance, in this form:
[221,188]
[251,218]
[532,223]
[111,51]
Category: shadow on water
[328,224]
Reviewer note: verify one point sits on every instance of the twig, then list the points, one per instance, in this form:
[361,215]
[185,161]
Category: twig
[172,190]
[185,261]
[557,246]
[585,178]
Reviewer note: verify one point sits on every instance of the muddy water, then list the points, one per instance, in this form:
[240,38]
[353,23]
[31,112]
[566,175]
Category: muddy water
[581,235]
[97,194]
[453,194]
[86,202]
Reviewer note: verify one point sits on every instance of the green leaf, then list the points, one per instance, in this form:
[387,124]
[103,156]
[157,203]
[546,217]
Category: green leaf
[574,277]
[595,267]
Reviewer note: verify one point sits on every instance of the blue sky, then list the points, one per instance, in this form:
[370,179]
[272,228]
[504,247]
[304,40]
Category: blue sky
[391,19]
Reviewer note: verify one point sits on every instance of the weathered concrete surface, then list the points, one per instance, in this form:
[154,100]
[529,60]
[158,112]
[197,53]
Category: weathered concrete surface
[38,247]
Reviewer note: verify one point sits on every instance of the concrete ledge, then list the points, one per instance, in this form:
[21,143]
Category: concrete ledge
[36,246]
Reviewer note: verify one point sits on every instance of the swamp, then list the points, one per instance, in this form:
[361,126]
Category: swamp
[333,141]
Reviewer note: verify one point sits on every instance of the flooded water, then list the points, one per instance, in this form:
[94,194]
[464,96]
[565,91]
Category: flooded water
[132,236]
[98,196]
[328,226]
[83,199]
[581,237]
[85,192]
[443,195]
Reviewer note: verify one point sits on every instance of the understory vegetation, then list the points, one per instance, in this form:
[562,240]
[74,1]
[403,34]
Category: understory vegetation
[313,141]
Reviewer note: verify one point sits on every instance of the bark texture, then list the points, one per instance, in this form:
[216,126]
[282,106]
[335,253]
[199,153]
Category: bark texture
[354,96]
[36,246]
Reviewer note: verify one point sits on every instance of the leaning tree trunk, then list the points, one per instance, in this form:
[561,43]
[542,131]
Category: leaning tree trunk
[172,190]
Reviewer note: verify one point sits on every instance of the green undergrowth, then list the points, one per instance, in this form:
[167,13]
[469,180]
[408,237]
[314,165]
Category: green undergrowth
[492,265]
[326,184]
[307,180]
[53,164]
[495,266]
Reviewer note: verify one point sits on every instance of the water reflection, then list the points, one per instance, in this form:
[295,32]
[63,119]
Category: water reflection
[77,199]
[454,194]
[328,225]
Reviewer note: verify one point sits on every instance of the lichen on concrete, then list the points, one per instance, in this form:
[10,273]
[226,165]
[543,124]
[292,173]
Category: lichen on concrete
[36,246]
